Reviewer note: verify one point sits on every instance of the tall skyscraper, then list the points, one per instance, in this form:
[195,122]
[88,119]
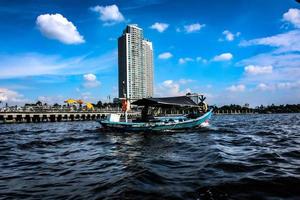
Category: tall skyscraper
[135,60]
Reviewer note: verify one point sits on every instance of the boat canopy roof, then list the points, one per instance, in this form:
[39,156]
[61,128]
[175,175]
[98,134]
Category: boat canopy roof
[180,101]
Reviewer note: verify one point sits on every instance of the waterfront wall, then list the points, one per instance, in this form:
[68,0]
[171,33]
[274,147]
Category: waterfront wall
[248,111]
[34,117]
[29,117]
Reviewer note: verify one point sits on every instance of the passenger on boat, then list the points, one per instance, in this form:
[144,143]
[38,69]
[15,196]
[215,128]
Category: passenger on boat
[144,113]
[195,113]
[146,117]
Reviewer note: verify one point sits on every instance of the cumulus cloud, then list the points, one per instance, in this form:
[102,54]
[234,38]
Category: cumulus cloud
[160,27]
[223,57]
[109,14]
[188,59]
[185,60]
[229,36]
[254,69]
[200,59]
[289,41]
[288,85]
[284,57]
[56,26]
[292,16]
[278,86]
[52,99]
[264,87]
[171,88]
[89,77]
[237,88]
[287,60]
[11,96]
[90,81]
[165,55]
[191,28]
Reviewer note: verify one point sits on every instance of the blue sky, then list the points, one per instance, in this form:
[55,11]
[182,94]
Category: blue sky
[234,51]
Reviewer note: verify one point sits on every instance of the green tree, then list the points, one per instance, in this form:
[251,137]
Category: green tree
[39,103]
[99,104]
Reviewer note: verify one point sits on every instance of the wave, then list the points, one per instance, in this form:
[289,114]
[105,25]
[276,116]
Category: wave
[252,157]
[247,188]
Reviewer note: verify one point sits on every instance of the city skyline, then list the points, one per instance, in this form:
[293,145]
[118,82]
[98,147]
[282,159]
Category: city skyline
[233,51]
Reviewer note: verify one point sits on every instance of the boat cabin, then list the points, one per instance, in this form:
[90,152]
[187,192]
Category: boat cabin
[154,108]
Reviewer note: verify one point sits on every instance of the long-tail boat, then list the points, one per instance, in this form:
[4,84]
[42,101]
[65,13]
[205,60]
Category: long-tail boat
[173,114]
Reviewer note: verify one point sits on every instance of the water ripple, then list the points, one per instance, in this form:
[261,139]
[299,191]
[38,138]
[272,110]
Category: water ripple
[237,157]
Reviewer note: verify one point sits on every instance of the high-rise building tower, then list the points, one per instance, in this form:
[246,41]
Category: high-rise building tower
[148,68]
[135,60]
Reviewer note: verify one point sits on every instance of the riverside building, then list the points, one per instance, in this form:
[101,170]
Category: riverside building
[135,60]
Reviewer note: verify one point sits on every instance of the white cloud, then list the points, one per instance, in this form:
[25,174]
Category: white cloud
[171,88]
[284,59]
[188,59]
[278,86]
[237,88]
[255,70]
[185,60]
[292,16]
[56,26]
[160,27]
[11,96]
[200,59]
[33,64]
[286,74]
[223,57]
[264,87]
[185,81]
[109,14]
[91,84]
[289,41]
[90,81]
[193,27]
[288,85]
[229,36]
[89,77]
[165,55]
[291,60]
[52,99]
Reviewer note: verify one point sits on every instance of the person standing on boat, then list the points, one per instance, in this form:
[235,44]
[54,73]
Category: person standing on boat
[145,113]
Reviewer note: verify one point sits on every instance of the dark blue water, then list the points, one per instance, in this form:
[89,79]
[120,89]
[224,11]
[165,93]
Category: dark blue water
[238,157]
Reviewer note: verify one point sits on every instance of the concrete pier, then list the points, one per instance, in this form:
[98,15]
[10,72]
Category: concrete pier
[34,117]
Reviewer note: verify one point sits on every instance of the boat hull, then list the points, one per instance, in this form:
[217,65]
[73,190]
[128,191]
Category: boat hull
[156,126]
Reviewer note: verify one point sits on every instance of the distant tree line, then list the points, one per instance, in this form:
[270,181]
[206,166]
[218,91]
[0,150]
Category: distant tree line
[99,104]
[287,108]
[232,108]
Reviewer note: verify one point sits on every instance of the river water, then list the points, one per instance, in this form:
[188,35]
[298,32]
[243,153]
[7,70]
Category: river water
[237,157]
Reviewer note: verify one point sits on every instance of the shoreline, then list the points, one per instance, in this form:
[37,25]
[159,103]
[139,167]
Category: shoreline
[33,119]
